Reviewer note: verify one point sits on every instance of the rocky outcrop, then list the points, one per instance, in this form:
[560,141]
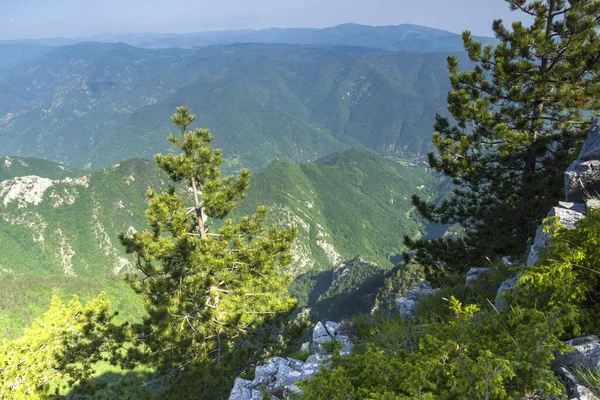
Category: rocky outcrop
[508,284]
[476,276]
[568,213]
[277,378]
[585,354]
[582,179]
[582,192]
[408,302]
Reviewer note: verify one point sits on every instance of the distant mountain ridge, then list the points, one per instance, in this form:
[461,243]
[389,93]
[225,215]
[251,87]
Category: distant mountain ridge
[391,37]
[94,104]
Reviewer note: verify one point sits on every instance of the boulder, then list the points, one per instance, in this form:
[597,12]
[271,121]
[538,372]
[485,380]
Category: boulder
[405,306]
[586,353]
[312,365]
[508,284]
[278,377]
[567,218]
[578,207]
[320,334]
[287,376]
[331,327]
[240,390]
[592,203]
[475,276]
[582,180]
[575,390]
[591,147]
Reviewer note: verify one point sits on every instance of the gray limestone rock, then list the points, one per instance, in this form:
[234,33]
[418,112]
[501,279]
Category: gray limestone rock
[592,203]
[240,390]
[320,334]
[567,218]
[475,276]
[312,365]
[331,327]
[591,147]
[279,375]
[578,207]
[287,376]
[405,306]
[575,389]
[586,353]
[305,348]
[499,302]
[582,180]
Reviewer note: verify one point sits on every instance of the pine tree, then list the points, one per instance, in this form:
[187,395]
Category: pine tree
[518,124]
[207,281]
[57,352]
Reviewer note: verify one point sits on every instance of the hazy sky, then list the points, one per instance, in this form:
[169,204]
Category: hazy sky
[79,18]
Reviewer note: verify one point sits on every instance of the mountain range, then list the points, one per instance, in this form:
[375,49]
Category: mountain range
[92,104]
[335,122]
[392,37]
[64,222]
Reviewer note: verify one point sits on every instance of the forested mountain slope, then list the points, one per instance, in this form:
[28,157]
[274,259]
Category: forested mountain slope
[95,104]
[63,225]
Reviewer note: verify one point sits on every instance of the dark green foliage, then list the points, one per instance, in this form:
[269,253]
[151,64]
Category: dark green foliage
[519,123]
[11,167]
[403,277]
[359,201]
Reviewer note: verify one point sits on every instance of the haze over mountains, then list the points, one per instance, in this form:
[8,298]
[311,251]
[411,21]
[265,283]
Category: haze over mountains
[393,38]
[263,101]
[334,124]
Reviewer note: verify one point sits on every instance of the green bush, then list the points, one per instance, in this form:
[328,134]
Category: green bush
[470,355]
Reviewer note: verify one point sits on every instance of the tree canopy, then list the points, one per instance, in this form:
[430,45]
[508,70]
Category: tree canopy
[518,119]
[207,281]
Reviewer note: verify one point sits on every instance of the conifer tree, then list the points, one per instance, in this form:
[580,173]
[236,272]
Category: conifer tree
[58,351]
[207,281]
[518,119]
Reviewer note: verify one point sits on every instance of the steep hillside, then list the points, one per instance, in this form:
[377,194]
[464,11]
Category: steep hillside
[12,167]
[350,203]
[69,226]
[95,104]
[25,297]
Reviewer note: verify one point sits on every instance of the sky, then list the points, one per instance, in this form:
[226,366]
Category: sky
[84,18]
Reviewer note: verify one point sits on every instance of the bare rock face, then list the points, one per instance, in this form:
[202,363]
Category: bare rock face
[585,354]
[406,304]
[591,147]
[280,375]
[499,301]
[582,180]
[568,213]
[476,276]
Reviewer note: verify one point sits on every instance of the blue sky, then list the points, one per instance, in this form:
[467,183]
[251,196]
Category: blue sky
[81,18]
